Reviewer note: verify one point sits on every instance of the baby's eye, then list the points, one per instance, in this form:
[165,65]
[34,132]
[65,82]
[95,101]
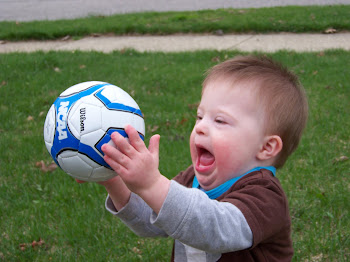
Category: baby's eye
[220,121]
[199,117]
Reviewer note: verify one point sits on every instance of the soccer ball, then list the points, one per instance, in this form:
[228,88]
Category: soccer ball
[81,120]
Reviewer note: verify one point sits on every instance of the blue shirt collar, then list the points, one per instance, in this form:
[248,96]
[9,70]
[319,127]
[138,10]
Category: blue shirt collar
[218,191]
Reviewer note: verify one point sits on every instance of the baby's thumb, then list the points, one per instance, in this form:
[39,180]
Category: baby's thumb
[154,145]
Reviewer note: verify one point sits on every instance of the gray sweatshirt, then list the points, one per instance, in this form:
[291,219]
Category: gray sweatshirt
[203,228]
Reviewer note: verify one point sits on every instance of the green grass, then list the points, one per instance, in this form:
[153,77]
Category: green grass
[70,218]
[277,19]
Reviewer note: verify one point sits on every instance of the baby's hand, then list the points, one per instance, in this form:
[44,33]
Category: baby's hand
[136,164]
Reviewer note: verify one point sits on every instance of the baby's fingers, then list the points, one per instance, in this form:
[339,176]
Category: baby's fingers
[119,169]
[117,160]
[113,154]
[135,139]
[122,144]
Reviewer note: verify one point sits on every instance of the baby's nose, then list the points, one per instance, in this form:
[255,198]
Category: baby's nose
[201,127]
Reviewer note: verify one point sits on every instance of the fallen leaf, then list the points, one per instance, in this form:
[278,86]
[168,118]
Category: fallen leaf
[132,92]
[3,83]
[41,113]
[320,54]
[330,31]
[96,35]
[315,72]
[39,243]
[30,118]
[153,128]
[51,167]
[46,168]
[317,258]
[39,164]
[136,250]
[67,37]
[56,69]
[82,66]
[183,121]
[340,159]
[23,246]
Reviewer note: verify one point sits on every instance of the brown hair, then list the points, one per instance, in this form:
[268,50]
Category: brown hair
[279,92]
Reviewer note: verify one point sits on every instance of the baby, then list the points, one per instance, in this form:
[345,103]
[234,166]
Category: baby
[228,205]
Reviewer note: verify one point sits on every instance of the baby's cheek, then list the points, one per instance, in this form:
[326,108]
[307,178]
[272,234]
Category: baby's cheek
[228,158]
[224,155]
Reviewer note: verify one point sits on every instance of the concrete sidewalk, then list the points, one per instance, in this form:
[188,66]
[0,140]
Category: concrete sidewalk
[178,43]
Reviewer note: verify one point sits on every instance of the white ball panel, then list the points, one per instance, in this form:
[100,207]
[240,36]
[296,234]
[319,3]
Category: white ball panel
[109,92]
[75,166]
[68,153]
[92,138]
[119,119]
[50,127]
[84,118]
[78,165]
[79,87]
[92,100]
[88,161]
[102,174]
[73,120]
[48,146]
[118,95]
[139,124]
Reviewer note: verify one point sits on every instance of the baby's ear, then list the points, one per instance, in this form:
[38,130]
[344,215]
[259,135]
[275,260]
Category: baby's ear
[271,147]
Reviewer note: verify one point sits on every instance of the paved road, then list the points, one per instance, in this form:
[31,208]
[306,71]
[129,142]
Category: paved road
[28,10]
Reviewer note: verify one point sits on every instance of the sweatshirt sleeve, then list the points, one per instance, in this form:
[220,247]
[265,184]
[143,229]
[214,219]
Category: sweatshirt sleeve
[191,217]
[136,215]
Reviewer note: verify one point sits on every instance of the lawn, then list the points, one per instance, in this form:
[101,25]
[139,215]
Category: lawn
[50,217]
[295,19]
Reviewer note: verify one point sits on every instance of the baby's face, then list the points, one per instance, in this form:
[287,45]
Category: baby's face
[227,135]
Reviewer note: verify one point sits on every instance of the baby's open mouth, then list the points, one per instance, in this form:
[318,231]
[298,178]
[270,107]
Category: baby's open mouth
[205,160]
